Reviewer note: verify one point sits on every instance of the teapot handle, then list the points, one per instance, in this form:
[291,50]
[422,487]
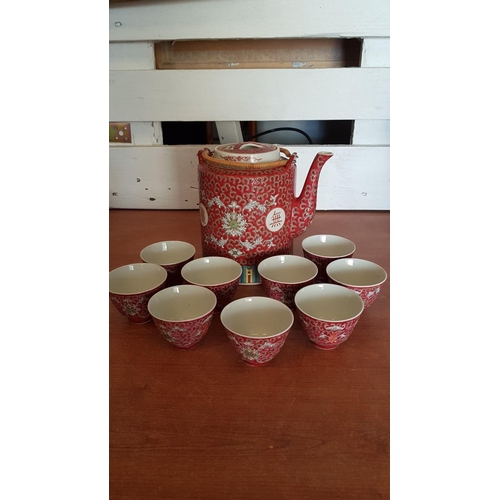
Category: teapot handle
[285,152]
[203,151]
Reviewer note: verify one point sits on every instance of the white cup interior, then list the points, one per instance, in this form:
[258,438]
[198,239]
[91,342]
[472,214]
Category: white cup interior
[166,253]
[287,269]
[136,278]
[328,245]
[356,272]
[181,303]
[211,271]
[329,302]
[256,317]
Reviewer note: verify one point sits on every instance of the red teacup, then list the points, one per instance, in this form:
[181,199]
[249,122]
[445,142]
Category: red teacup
[171,255]
[325,248]
[183,314]
[131,287]
[219,274]
[257,328]
[362,276]
[283,276]
[328,313]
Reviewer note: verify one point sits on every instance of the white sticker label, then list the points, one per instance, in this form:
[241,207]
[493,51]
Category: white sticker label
[275,219]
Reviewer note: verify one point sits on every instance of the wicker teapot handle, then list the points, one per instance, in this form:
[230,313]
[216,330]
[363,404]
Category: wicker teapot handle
[285,152]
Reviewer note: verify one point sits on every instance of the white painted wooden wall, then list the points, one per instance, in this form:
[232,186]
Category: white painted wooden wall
[148,175]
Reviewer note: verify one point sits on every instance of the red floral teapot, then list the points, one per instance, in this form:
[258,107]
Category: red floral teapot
[248,208]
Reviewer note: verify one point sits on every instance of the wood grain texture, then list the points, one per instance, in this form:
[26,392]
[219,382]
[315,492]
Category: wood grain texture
[202,425]
[255,53]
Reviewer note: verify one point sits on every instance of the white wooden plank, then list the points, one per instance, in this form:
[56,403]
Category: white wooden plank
[166,177]
[202,19]
[136,56]
[371,132]
[356,178]
[229,132]
[156,177]
[375,53]
[253,94]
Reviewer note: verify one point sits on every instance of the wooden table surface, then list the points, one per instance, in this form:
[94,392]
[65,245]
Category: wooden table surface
[201,424]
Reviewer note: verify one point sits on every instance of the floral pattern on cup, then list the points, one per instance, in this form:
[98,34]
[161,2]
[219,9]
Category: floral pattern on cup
[284,292]
[224,293]
[134,306]
[257,328]
[328,313]
[172,255]
[220,275]
[368,293]
[325,248]
[255,351]
[326,335]
[321,264]
[359,275]
[282,276]
[184,334]
[174,276]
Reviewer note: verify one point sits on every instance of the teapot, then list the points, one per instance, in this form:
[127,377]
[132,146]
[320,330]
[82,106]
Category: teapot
[248,209]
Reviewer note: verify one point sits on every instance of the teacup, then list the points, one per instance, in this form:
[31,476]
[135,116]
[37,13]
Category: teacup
[362,276]
[328,313]
[131,286]
[325,248]
[257,328]
[183,313]
[282,276]
[219,274]
[171,255]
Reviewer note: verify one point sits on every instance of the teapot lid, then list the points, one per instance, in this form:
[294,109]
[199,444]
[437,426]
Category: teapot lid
[248,152]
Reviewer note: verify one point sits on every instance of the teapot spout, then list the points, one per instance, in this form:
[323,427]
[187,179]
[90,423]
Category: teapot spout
[304,206]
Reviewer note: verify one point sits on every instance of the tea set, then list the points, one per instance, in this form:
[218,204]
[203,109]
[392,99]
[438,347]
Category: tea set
[249,216]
